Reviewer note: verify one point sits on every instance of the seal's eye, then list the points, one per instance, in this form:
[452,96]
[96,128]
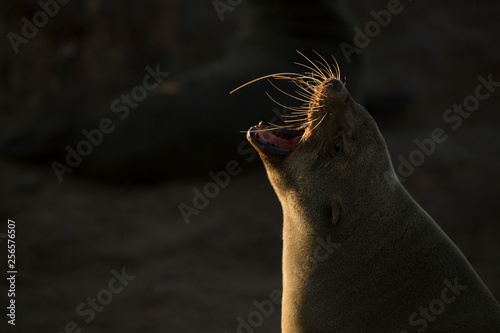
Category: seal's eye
[337,147]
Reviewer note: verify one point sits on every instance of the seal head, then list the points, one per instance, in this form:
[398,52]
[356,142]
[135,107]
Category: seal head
[339,139]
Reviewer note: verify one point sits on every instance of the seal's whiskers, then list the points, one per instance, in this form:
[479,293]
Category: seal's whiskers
[310,91]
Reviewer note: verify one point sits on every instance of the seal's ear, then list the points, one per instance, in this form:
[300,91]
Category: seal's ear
[335,205]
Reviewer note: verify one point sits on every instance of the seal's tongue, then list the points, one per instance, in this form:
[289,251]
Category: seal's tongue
[286,141]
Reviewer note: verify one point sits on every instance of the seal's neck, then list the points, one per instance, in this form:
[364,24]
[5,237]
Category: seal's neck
[319,244]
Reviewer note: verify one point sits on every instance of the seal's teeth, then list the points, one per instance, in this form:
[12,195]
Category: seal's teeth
[259,125]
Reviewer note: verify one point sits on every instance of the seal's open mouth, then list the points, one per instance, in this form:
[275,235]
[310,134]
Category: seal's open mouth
[312,92]
[275,141]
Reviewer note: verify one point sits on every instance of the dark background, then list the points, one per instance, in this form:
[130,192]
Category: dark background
[202,276]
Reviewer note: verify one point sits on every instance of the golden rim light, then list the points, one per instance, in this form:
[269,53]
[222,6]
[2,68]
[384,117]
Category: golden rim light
[308,93]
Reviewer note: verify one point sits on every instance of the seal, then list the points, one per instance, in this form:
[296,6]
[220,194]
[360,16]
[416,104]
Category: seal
[359,254]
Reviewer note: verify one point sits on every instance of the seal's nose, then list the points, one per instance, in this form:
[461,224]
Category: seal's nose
[336,85]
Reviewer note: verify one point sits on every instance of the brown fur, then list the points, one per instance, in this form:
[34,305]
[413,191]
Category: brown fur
[391,259]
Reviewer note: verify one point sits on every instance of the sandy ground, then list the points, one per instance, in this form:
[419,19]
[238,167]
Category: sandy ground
[74,237]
